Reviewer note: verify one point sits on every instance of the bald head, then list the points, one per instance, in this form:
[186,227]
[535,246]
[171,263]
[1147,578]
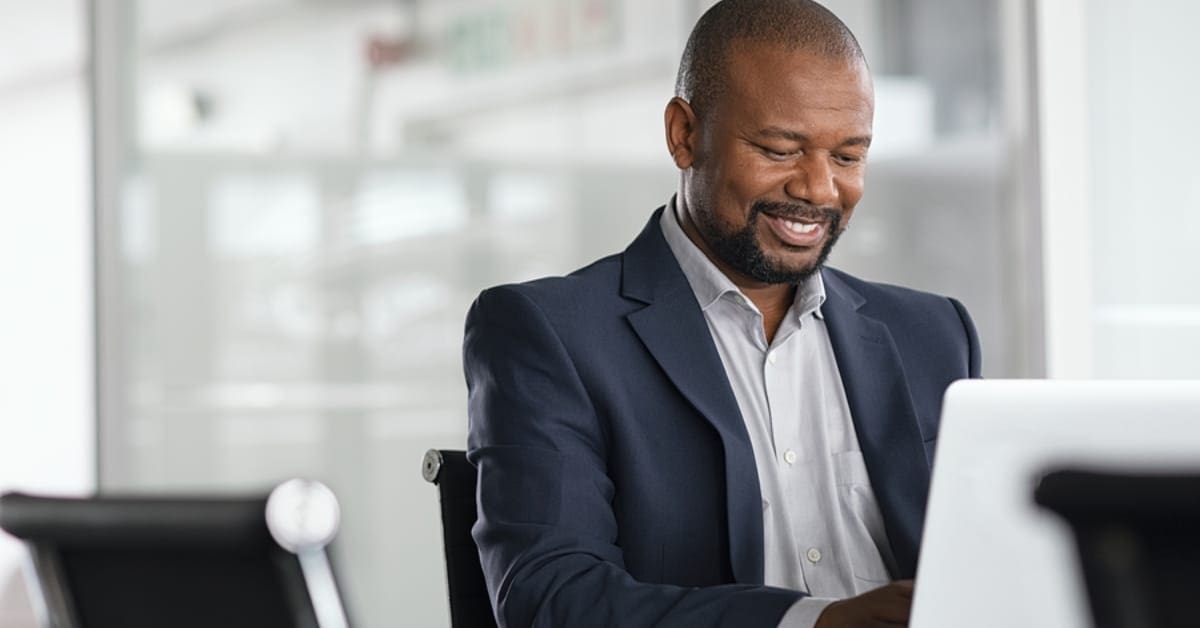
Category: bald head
[790,24]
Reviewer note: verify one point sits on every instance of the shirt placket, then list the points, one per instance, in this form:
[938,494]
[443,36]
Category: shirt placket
[798,442]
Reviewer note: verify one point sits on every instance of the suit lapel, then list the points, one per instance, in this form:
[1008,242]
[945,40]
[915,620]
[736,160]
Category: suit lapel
[674,331]
[883,416]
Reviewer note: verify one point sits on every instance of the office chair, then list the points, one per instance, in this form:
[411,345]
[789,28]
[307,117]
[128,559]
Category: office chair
[1138,539]
[454,475]
[141,562]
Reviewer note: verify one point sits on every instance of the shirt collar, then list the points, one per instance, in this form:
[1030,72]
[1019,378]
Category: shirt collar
[708,282]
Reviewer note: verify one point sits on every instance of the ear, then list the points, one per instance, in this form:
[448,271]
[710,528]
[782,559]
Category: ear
[680,122]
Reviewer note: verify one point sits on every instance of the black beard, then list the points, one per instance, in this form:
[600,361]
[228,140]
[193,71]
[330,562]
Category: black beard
[741,251]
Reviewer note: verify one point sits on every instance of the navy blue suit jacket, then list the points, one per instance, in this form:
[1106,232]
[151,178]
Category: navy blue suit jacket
[617,485]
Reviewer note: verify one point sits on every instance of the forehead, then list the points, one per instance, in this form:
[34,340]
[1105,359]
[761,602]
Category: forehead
[772,84]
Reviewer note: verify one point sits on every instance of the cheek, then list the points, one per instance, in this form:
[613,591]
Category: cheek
[746,179]
[850,190]
[729,184]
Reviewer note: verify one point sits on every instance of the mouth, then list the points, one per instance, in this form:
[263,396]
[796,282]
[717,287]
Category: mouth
[799,232]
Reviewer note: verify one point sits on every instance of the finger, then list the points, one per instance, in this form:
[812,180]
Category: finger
[893,608]
[881,621]
[896,586]
[900,588]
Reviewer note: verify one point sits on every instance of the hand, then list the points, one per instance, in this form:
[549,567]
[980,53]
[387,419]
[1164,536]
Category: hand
[886,606]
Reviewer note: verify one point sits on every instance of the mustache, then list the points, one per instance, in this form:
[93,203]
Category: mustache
[797,211]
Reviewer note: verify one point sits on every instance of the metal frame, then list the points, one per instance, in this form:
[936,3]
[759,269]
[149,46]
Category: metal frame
[1024,288]
[47,588]
[111,37]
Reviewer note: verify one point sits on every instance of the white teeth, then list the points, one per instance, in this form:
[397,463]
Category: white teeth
[800,227]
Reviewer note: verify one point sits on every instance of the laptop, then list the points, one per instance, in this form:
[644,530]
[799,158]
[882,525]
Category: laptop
[990,556]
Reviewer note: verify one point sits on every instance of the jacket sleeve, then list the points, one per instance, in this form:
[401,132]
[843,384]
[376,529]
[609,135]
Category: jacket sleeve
[547,534]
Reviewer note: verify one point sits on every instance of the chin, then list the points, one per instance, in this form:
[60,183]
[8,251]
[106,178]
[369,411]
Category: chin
[797,262]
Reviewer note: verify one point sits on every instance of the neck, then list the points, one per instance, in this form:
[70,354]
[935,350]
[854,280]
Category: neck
[772,300]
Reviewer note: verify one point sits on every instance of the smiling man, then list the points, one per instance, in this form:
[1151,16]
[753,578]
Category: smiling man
[712,428]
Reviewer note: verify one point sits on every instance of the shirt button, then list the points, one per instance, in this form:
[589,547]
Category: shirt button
[771,357]
[765,505]
[814,555]
[789,457]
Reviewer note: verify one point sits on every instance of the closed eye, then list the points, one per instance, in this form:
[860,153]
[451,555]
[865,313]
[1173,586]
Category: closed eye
[777,155]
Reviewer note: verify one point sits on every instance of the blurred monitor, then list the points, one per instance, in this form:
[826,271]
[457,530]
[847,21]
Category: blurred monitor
[142,562]
[1138,537]
[990,556]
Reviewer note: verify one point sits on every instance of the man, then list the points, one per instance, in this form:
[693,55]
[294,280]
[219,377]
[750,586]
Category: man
[710,428]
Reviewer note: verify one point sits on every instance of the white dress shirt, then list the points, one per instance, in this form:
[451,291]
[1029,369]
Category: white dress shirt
[822,529]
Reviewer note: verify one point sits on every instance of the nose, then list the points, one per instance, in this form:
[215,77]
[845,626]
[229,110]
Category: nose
[813,181]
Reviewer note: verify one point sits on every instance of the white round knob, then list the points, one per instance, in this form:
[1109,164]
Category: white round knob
[302,514]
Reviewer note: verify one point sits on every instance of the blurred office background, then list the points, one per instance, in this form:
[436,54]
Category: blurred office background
[238,237]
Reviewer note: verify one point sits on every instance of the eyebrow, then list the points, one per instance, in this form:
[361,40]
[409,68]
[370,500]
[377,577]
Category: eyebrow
[796,136]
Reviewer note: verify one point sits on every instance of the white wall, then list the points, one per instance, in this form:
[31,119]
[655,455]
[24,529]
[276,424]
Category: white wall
[1145,194]
[46,419]
[1121,201]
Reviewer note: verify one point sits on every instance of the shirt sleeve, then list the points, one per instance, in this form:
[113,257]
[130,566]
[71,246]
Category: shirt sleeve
[805,612]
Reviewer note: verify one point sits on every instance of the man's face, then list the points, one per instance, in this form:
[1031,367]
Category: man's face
[778,163]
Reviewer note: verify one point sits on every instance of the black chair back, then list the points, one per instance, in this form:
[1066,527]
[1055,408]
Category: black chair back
[454,475]
[142,562]
[1138,538]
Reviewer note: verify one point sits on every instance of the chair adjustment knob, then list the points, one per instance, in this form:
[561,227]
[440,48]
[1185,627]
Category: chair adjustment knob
[431,466]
